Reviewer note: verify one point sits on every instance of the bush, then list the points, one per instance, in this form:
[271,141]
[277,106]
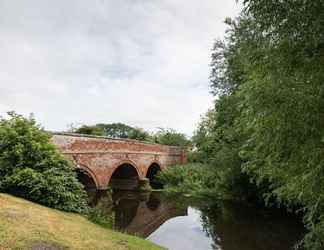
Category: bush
[193,178]
[171,137]
[32,168]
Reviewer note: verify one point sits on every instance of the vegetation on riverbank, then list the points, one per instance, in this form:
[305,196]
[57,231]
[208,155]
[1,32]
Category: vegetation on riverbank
[119,130]
[32,168]
[264,135]
[26,225]
[200,180]
[193,179]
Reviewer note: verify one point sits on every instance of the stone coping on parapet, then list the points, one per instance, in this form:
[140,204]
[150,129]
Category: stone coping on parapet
[111,138]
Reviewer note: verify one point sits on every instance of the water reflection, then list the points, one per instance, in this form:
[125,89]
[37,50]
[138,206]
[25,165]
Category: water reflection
[183,224]
[185,232]
[242,227]
[137,213]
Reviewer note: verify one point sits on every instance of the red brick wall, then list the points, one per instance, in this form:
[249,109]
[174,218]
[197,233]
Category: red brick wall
[100,156]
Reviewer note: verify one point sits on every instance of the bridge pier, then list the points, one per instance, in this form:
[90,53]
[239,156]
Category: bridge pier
[144,185]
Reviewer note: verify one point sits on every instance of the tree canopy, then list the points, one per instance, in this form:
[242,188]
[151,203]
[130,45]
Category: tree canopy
[119,130]
[171,137]
[265,132]
[32,168]
[114,130]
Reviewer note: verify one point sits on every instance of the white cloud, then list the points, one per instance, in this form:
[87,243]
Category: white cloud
[140,62]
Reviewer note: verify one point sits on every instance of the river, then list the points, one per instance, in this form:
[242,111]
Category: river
[178,223]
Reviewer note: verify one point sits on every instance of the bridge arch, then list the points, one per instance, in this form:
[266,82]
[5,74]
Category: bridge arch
[125,175]
[153,169]
[87,177]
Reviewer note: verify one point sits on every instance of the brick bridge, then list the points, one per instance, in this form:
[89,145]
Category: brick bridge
[120,163]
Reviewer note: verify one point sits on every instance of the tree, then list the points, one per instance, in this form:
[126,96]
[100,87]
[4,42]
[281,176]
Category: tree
[89,130]
[120,130]
[171,137]
[114,130]
[220,134]
[139,134]
[32,168]
[284,100]
[267,123]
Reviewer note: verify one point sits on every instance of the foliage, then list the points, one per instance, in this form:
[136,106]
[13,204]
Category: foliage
[221,134]
[139,134]
[89,130]
[265,133]
[285,100]
[32,168]
[171,137]
[193,179]
[114,130]
[299,21]
[120,130]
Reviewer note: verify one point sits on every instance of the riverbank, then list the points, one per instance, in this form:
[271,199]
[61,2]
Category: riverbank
[26,225]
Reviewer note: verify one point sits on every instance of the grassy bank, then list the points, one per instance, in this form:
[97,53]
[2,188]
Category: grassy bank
[26,225]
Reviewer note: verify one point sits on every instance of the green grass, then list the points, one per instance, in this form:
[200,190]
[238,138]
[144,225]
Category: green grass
[26,225]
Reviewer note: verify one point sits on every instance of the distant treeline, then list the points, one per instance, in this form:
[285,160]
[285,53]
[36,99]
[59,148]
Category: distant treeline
[120,130]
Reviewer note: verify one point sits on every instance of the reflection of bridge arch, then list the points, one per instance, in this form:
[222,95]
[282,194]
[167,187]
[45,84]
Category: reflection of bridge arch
[153,203]
[148,218]
[125,176]
[138,213]
[87,177]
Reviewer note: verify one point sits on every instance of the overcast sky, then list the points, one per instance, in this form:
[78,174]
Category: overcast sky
[140,62]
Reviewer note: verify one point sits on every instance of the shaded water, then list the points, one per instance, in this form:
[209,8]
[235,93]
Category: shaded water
[177,223]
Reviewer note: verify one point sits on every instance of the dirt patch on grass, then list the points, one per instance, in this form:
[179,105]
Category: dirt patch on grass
[45,246]
[123,243]
[13,214]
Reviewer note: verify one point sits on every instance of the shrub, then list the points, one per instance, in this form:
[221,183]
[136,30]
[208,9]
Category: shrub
[192,178]
[32,168]
[171,137]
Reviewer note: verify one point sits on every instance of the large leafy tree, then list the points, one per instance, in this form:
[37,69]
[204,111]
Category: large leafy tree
[268,118]
[221,133]
[32,168]
[284,97]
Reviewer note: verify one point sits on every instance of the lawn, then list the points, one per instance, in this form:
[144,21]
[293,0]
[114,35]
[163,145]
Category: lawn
[26,225]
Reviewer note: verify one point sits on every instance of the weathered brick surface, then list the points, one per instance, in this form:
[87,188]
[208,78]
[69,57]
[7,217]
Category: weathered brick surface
[101,156]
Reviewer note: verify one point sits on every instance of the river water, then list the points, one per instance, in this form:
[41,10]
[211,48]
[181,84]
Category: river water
[177,223]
